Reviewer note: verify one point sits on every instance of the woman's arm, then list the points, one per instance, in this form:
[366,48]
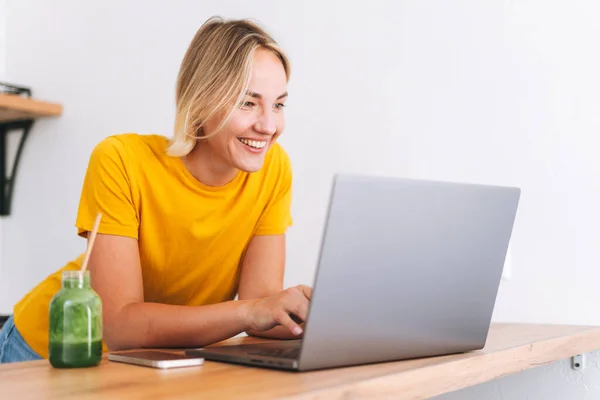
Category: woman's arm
[130,323]
[262,275]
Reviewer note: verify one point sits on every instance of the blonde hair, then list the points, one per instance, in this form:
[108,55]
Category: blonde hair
[214,76]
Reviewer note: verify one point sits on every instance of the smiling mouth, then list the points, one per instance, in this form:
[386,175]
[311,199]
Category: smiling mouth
[255,144]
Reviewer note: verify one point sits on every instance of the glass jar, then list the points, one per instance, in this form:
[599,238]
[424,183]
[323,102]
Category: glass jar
[75,335]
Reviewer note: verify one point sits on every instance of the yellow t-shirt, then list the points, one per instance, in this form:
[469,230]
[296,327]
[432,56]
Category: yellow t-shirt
[191,236]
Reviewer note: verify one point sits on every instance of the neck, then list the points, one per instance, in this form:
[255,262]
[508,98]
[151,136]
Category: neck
[207,168]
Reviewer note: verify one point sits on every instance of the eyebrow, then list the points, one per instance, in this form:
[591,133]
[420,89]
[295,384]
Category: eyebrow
[259,96]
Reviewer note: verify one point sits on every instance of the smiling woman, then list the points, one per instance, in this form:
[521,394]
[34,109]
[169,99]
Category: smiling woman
[192,221]
[239,139]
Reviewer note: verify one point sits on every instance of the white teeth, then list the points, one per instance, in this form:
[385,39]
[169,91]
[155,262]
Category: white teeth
[253,143]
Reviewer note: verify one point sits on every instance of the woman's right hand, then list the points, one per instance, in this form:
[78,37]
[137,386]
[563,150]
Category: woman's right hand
[268,312]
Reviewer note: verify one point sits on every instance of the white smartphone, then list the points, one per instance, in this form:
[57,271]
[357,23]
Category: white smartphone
[156,359]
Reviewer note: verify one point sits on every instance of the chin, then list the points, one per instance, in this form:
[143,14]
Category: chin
[250,168]
[247,161]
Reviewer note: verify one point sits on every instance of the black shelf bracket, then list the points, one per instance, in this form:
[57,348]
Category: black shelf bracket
[7,183]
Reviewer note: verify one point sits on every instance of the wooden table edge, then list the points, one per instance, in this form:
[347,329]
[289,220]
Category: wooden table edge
[474,366]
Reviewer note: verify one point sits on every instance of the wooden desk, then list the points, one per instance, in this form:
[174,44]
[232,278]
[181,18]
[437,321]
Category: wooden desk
[510,348]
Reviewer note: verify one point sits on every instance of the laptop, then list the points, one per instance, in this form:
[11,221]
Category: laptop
[407,269]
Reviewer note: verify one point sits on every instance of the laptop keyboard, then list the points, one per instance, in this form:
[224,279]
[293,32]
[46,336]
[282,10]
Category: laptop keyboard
[283,353]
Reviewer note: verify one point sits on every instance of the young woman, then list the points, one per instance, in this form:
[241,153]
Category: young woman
[188,223]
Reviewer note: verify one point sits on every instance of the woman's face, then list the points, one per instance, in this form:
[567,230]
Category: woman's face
[257,122]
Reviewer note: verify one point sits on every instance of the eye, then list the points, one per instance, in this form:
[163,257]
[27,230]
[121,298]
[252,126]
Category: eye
[248,105]
[279,106]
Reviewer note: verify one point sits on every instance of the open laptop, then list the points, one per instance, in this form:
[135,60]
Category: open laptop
[408,268]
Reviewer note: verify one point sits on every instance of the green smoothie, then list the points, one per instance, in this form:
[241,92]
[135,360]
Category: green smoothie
[75,336]
[75,355]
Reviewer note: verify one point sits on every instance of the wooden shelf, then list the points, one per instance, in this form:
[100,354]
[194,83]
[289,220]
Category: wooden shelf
[17,108]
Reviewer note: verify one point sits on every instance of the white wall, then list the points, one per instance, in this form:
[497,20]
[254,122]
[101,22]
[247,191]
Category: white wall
[493,92]
[2,38]
[2,77]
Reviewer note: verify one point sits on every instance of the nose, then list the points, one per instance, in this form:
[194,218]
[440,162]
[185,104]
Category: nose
[265,123]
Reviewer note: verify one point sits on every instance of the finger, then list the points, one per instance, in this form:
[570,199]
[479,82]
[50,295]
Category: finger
[297,304]
[285,320]
[300,309]
[306,290]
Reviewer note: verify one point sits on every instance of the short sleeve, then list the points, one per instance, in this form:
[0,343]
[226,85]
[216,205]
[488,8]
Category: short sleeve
[277,217]
[107,189]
